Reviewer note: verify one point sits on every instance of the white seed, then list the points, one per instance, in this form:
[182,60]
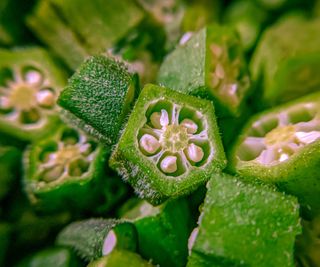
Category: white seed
[45,98]
[195,153]
[4,103]
[164,119]
[216,50]
[85,149]
[219,71]
[191,126]
[308,138]
[109,243]
[33,77]
[149,143]
[169,164]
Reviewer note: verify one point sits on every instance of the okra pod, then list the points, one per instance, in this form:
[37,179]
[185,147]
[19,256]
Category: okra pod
[244,224]
[170,145]
[281,146]
[94,238]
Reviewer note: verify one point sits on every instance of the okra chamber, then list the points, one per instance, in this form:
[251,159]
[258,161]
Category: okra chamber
[169,146]
[281,146]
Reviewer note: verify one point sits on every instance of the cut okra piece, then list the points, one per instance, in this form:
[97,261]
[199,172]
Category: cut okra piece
[99,97]
[29,86]
[244,224]
[170,145]
[211,65]
[64,171]
[120,258]
[281,146]
[285,64]
[94,238]
[162,231]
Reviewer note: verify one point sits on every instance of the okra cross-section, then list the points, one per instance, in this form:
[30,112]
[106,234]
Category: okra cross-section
[29,86]
[64,171]
[170,144]
[98,97]
[281,146]
[209,65]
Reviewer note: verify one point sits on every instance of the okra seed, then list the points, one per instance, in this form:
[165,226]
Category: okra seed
[33,77]
[5,103]
[149,143]
[169,164]
[195,153]
[216,50]
[192,238]
[109,243]
[219,71]
[45,98]
[191,126]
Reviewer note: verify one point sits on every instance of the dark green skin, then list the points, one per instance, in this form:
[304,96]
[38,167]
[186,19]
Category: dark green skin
[298,176]
[245,224]
[147,180]
[5,236]
[164,232]
[99,96]
[87,237]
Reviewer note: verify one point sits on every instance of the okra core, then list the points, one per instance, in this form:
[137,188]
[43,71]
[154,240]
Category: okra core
[174,138]
[275,138]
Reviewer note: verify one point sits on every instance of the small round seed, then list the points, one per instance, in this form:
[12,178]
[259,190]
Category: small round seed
[191,126]
[45,98]
[149,143]
[169,164]
[33,77]
[195,153]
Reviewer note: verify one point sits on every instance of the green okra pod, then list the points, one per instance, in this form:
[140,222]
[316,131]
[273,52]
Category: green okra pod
[281,146]
[170,145]
[94,238]
[244,224]
[99,97]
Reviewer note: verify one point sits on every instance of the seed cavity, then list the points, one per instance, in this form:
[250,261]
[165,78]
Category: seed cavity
[195,153]
[169,164]
[149,143]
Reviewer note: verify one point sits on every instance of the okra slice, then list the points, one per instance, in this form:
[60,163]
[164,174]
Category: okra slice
[120,258]
[29,86]
[281,146]
[163,231]
[64,171]
[244,224]
[170,145]
[94,238]
[98,97]
[213,68]
[284,64]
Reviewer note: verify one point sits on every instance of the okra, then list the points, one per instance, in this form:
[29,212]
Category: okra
[29,86]
[281,146]
[64,171]
[244,224]
[170,145]
[285,65]
[5,236]
[94,238]
[162,231]
[120,258]
[213,68]
[98,97]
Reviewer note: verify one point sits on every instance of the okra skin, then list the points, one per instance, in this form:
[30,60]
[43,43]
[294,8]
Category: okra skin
[63,176]
[214,68]
[98,97]
[295,168]
[148,178]
[242,219]
[93,238]
[30,82]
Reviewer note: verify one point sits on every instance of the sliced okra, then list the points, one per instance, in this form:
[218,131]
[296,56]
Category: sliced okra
[98,97]
[29,86]
[162,231]
[239,220]
[170,144]
[120,258]
[285,65]
[94,238]
[64,171]
[281,146]
[214,68]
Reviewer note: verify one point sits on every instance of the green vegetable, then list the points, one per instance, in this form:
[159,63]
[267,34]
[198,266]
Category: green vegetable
[211,65]
[64,171]
[94,238]
[99,97]
[29,86]
[244,224]
[281,146]
[170,145]
[5,236]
